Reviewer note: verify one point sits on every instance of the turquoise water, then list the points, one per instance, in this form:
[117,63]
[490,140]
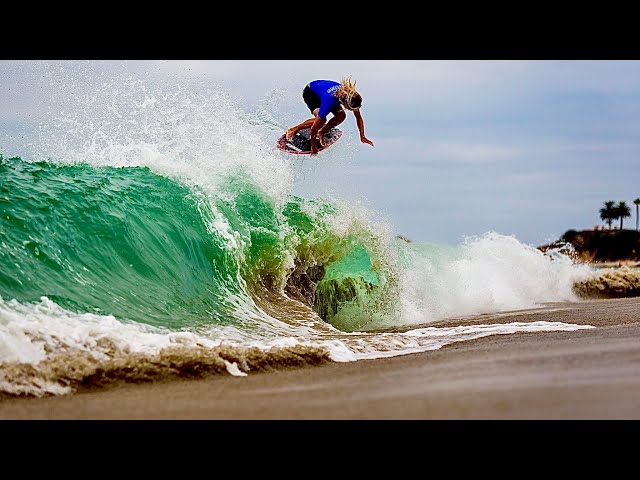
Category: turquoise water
[133,244]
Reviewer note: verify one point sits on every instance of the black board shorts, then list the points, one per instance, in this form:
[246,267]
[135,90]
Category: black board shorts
[310,98]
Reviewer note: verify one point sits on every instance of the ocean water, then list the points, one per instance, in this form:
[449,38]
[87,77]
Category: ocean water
[151,231]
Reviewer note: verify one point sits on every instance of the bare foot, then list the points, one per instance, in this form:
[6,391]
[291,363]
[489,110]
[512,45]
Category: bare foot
[321,138]
[290,133]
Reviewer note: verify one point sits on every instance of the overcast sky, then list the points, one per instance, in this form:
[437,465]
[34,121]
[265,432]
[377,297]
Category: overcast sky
[524,148]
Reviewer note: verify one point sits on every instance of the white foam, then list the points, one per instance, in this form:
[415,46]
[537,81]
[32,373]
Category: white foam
[485,274]
[385,345]
[29,333]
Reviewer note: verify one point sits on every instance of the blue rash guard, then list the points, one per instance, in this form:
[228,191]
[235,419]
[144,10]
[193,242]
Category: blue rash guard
[324,90]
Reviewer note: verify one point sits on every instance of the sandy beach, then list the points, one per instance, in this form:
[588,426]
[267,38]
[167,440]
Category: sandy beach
[584,374]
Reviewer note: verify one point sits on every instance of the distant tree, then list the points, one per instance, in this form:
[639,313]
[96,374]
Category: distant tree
[622,211]
[608,212]
[636,202]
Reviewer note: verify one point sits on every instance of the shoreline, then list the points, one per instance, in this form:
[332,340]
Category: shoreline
[584,374]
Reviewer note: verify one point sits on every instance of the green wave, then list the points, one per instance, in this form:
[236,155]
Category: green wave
[139,246]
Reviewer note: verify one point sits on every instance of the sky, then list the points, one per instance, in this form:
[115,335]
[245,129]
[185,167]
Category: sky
[529,148]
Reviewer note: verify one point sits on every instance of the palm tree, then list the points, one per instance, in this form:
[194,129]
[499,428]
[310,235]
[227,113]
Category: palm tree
[608,212]
[622,211]
[636,202]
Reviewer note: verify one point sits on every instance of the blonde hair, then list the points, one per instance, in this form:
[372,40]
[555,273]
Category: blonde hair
[347,90]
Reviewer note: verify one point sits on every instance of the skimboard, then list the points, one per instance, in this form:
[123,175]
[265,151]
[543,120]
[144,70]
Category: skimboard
[301,143]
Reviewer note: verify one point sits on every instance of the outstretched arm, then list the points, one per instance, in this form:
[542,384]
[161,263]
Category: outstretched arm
[360,123]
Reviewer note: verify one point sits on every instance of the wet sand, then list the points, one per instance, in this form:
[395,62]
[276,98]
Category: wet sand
[585,374]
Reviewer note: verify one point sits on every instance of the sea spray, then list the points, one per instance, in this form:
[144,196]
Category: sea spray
[486,273]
